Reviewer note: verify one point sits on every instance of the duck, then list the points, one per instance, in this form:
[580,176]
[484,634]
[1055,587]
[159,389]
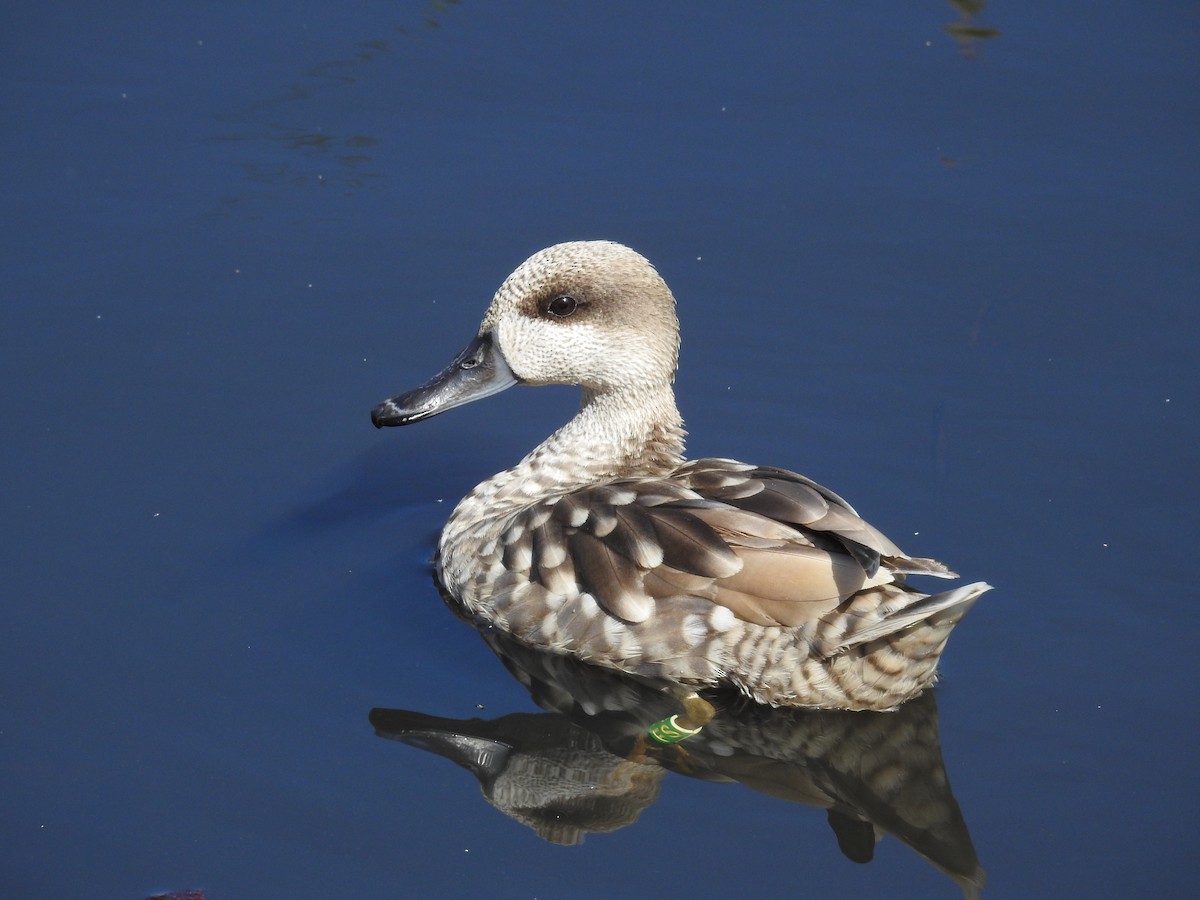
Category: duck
[606,544]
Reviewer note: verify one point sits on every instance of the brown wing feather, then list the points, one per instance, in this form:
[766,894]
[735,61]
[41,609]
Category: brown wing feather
[790,497]
[635,537]
[664,582]
[774,547]
[692,546]
[612,579]
[797,583]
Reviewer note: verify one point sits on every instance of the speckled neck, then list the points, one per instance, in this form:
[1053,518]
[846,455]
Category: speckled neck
[615,434]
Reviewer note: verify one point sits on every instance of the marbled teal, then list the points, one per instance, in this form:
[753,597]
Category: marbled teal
[605,544]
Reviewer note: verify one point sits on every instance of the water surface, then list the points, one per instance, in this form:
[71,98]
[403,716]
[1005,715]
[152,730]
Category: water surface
[950,273]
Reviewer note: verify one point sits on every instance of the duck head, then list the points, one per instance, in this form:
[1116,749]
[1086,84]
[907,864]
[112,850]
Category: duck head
[591,313]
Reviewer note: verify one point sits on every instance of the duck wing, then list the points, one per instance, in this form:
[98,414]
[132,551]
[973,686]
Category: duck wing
[773,547]
[792,498]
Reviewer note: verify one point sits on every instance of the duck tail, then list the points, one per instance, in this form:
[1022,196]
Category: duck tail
[939,612]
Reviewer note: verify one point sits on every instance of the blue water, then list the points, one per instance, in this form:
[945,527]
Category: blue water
[955,279]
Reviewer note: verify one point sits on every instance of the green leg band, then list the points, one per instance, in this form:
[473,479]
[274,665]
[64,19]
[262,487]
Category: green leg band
[669,731]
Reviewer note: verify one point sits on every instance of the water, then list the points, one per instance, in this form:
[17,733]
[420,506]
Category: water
[954,281]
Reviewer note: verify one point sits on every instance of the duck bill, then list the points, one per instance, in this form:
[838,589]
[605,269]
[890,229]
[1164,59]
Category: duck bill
[479,371]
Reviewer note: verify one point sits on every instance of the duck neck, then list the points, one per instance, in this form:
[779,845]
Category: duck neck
[615,434]
[620,433]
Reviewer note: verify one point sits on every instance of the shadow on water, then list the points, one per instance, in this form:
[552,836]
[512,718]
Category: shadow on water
[377,484]
[585,766]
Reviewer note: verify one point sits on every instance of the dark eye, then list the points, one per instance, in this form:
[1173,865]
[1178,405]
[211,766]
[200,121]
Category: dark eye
[561,306]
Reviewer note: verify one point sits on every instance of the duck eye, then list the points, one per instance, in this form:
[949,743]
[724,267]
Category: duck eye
[561,306]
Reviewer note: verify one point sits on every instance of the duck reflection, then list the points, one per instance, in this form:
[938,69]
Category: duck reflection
[586,766]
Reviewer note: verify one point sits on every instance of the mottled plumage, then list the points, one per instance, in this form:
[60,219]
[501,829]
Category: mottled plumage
[605,544]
